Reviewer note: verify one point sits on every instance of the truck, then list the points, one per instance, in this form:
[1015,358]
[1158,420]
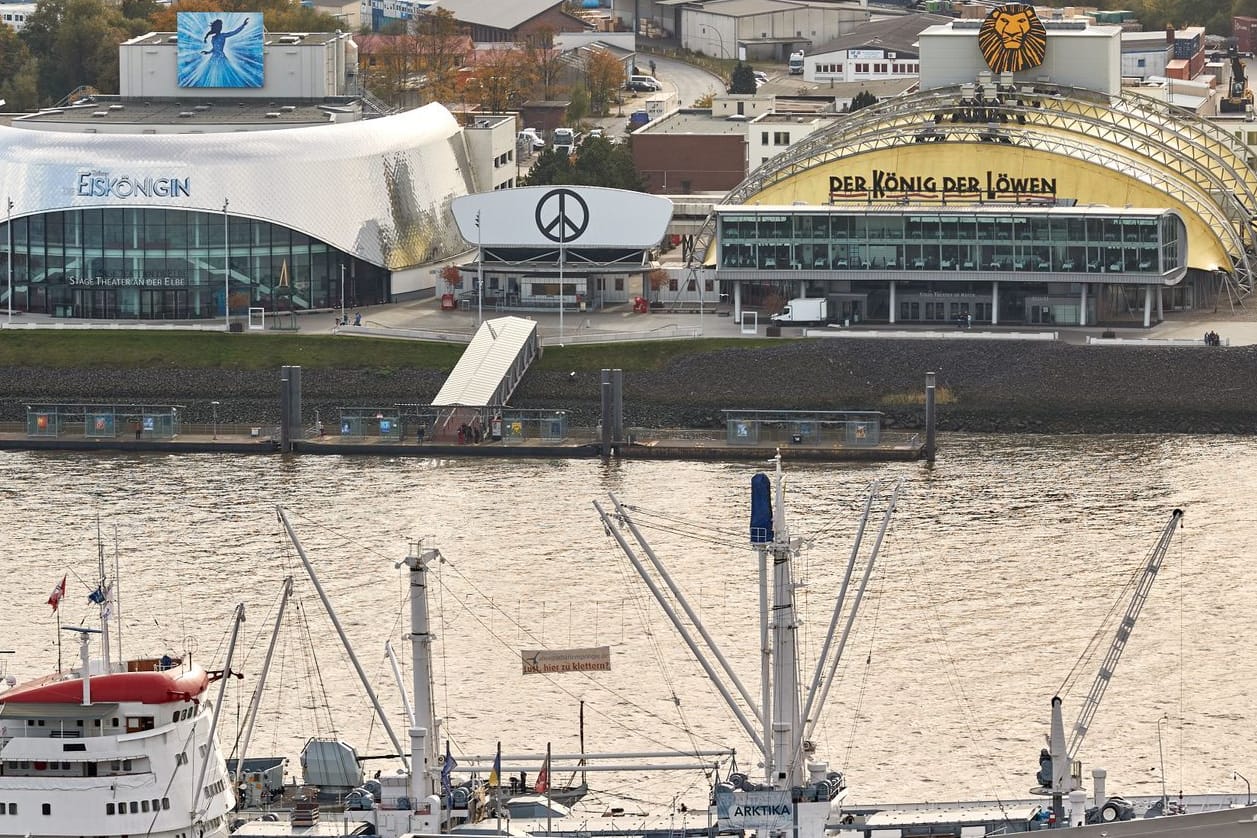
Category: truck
[796,63]
[804,311]
[565,139]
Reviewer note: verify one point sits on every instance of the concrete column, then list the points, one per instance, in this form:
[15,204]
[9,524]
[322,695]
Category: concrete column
[1148,306]
[1160,303]
[802,288]
[1082,306]
[930,417]
[892,302]
[994,303]
[737,301]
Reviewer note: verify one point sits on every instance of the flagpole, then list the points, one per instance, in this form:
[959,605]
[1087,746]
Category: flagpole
[497,784]
[549,785]
[57,611]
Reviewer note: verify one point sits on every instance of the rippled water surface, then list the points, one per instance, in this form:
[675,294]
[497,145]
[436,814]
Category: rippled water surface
[999,568]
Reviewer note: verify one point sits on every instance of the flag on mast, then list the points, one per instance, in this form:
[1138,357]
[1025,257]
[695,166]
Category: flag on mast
[447,768]
[495,776]
[542,786]
[54,599]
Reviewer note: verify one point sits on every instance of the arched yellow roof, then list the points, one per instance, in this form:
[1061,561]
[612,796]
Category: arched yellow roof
[1127,150]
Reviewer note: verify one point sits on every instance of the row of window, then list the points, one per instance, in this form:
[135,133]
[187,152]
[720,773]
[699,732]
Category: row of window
[1106,259]
[779,137]
[993,228]
[896,67]
[136,807]
[214,788]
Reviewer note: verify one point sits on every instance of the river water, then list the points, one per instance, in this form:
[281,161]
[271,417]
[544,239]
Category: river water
[1000,566]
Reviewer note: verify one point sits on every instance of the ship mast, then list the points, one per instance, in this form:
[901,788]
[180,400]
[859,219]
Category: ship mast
[782,769]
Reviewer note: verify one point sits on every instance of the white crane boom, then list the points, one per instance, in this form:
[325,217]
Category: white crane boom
[1092,702]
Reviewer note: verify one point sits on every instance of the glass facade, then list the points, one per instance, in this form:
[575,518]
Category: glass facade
[124,263]
[1056,242]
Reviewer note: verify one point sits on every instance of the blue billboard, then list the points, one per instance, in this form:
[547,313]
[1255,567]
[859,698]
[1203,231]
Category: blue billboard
[220,49]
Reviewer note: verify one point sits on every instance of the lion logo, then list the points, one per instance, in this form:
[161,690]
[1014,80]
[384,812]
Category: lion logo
[1012,38]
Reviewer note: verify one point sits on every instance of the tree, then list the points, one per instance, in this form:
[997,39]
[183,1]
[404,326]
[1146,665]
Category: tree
[391,66]
[743,80]
[705,101]
[499,82]
[78,42]
[279,15]
[543,60]
[601,162]
[598,162]
[441,45]
[604,76]
[19,73]
[551,167]
[578,108]
[861,100]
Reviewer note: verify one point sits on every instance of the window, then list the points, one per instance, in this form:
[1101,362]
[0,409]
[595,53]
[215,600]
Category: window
[763,138]
[781,138]
[47,808]
[165,803]
[619,283]
[1141,63]
[143,805]
[108,808]
[135,808]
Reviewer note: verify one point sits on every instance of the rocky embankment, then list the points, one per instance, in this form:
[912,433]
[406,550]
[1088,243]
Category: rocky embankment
[999,387]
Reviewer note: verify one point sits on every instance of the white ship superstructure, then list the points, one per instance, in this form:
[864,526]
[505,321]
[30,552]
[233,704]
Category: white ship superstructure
[113,750]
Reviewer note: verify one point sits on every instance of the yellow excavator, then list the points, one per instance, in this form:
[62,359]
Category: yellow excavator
[1239,98]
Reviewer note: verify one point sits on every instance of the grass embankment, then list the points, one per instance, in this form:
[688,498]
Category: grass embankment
[209,350]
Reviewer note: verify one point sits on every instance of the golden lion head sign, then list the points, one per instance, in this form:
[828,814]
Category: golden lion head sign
[1012,38]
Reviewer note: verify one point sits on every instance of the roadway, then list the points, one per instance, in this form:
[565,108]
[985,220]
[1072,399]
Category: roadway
[688,82]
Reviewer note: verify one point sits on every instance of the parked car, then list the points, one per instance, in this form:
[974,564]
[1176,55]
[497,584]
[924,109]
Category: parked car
[594,132]
[637,119]
[643,84]
[531,138]
[761,76]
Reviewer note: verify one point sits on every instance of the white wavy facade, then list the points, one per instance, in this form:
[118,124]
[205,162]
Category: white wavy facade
[125,215]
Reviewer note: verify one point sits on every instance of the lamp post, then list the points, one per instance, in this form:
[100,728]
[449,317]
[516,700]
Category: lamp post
[215,406]
[8,225]
[479,272]
[1164,797]
[719,37]
[226,270]
[1248,796]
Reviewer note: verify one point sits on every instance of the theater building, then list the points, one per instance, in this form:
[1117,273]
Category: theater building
[1021,184]
[235,165]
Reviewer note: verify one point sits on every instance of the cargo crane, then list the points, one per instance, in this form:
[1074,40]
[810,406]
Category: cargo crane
[1239,98]
[1058,775]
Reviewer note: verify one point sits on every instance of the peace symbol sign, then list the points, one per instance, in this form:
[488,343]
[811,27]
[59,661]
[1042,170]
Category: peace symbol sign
[562,215]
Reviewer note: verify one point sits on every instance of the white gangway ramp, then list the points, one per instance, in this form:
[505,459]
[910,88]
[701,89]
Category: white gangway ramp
[488,372]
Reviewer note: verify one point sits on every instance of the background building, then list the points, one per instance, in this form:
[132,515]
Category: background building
[168,200]
[1050,191]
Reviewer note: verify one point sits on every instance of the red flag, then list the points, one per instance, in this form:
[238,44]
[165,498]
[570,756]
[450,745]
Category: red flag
[57,593]
[543,776]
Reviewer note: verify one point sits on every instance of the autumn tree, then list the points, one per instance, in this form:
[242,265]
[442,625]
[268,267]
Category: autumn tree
[440,46]
[391,66]
[604,76]
[500,81]
[278,15]
[544,63]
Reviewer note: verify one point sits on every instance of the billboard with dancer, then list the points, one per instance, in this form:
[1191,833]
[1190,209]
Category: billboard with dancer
[220,49]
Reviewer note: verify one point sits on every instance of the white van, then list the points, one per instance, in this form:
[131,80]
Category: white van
[644,84]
